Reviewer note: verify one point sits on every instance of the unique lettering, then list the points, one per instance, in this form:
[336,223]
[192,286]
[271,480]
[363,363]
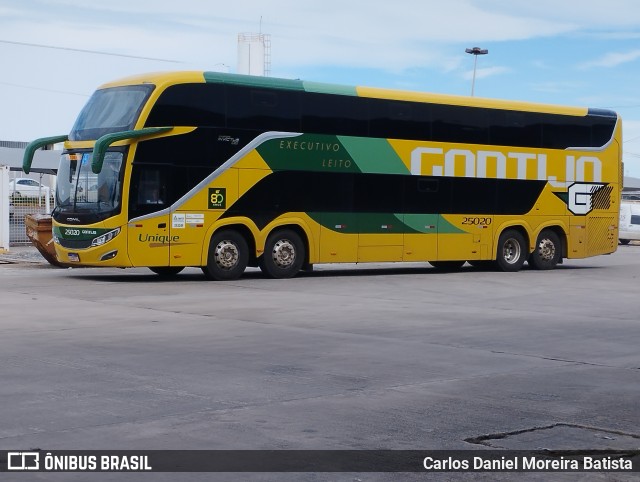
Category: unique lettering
[157,238]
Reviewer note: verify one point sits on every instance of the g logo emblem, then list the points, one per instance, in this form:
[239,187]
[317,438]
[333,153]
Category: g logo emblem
[582,197]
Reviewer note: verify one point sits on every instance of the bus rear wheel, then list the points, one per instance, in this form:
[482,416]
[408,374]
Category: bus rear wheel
[512,250]
[228,256]
[284,254]
[548,251]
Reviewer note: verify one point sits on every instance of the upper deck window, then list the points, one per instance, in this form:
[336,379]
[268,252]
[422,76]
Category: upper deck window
[110,110]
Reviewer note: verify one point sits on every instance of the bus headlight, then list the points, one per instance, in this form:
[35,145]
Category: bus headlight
[105,238]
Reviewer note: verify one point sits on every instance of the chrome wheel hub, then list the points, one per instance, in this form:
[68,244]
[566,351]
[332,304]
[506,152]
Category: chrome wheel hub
[226,255]
[546,249]
[283,253]
[511,251]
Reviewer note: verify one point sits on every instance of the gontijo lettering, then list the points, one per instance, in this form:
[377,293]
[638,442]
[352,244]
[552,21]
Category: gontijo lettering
[477,163]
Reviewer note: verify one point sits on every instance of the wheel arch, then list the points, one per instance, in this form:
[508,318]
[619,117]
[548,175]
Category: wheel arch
[520,226]
[247,232]
[298,228]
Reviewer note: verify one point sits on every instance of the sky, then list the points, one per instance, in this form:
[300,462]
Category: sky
[55,53]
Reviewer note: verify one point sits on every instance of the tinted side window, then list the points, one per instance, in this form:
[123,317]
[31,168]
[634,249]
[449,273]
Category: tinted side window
[473,196]
[189,105]
[202,147]
[460,124]
[399,120]
[150,188]
[602,129]
[263,109]
[334,114]
[180,162]
[426,194]
[510,128]
[560,132]
[378,193]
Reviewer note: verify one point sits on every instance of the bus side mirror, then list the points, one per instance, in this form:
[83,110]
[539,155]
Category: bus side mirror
[105,141]
[33,146]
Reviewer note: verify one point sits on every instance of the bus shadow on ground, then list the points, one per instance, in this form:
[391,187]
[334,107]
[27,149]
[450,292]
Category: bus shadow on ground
[195,275]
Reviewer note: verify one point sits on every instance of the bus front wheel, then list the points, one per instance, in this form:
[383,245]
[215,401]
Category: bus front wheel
[284,254]
[512,250]
[228,256]
[548,251]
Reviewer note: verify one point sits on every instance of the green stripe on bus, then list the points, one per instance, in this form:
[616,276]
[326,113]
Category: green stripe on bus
[307,152]
[385,223]
[430,223]
[321,88]
[275,83]
[374,155]
[312,152]
[253,80]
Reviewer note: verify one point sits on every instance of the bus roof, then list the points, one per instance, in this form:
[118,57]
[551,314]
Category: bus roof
[164,79]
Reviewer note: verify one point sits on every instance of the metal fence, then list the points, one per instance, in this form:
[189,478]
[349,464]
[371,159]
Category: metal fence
[23,203]
[18,210]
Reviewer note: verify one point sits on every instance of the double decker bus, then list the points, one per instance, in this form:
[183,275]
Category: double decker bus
[224,171]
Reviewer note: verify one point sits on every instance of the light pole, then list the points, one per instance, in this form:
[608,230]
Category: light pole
[475,51]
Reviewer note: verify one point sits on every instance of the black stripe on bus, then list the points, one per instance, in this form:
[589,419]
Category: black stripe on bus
[298,191]
[262,109]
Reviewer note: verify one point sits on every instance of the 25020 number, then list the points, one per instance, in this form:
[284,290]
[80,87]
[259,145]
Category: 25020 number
[477,221]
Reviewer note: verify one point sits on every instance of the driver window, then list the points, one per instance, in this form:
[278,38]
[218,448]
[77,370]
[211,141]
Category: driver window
[148,190]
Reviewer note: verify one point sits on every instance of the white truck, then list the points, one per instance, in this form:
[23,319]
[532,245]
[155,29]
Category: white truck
[629,217]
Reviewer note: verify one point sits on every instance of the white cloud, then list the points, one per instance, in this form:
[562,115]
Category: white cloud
[414,43]
[385,35]
[484,72]
[612,59]
[583,14]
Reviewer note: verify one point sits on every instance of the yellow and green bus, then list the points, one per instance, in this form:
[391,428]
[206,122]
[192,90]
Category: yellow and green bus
[224,171]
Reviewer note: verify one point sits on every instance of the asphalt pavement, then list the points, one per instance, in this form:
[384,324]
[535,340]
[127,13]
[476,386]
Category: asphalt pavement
[384,356]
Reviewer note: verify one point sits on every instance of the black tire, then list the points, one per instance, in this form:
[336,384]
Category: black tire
[167,271]
[228,256]
[625,241]
[447,265]
[547,252]
[284,254]
[512,251]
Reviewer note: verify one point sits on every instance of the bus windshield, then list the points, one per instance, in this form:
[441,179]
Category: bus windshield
[110,110]
[79,190]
